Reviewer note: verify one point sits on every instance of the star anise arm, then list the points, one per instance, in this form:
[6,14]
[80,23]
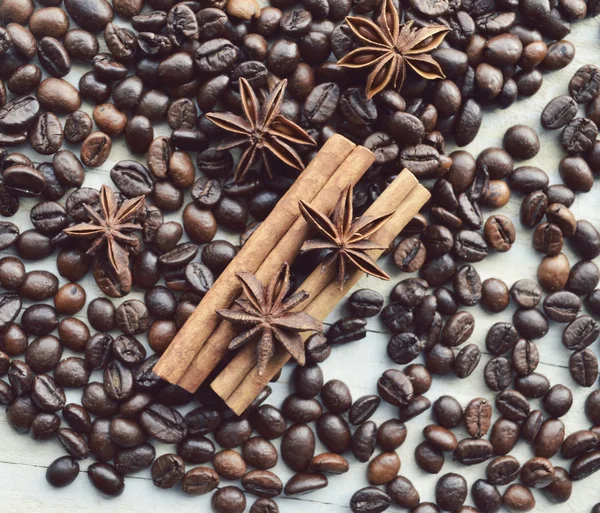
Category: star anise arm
[108,202]
[368,32]
[265,350]
[249,103]
[312,244]
[244,337]
[366,245]
[87,230]
[255,292]
[283,151]
[95,216]
[292,341]
[388,20]
[285,129]
[365,226]
[294,300]
[247,158]
[278,287]
[382,74]
[319,222]
[129,209]
[341,270]
[425,65]
[235,142]
[427,39]
[117,255]
[298,321]
[272,104]
[230,122]
[248,307]
[239,317]
[366,264]
[363,57]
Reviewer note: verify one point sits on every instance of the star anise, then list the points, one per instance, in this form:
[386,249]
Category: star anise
[263,130]
[347,238]
[110,228]
[388,47]
[266,313]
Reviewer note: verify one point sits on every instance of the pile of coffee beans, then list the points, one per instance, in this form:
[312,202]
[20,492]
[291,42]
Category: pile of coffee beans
[158,64]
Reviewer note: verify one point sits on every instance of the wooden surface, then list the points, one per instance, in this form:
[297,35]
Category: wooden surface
[23,488]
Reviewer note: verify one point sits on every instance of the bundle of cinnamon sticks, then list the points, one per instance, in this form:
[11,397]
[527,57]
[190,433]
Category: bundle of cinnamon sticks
[202,343]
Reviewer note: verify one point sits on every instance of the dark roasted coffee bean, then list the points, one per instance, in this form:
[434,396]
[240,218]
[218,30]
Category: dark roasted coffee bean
[559,112]
[467,360]
[363,441]
[502,470]
[477,417]
[530,323]
[585,465]
[498,373]
[579,135]
[429,458]
[472,451]
[548,239]
[558,400]
[347,330]
[448,412]
[370,500]
[163,423]
[501,337]
[533,209]
[580,333]
[585,84]
[513,405]
[527,179]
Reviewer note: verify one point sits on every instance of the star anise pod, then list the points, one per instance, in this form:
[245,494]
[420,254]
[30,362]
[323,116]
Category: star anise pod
[267,314]
[347,238]
[262,130]
[388,47]
[110,228]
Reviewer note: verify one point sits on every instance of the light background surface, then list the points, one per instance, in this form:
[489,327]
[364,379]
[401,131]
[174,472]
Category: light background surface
[23,461]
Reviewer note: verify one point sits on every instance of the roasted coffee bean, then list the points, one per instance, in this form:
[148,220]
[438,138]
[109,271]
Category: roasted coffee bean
[347,330]
[478,417]
[472,451]
[557,402]
[530,323]
[501,337]
[363,441]
[522,142]
[559,112]
[448,412]
[334,432]
[548,239]
[583,366]
[395,387]
[580,333]
[440,437]
[502,470]
[298,447]
[518,498]
[498,373]
[495,295]
[583,278]
[370,500]
[429,458]
[420,404]
[579,135]
[233,433]
[299,410]
[504,435]
[527,179]
[526,293]
[466,361]
[586,240]
[534,385]
[513,405]
[533,209]
[585,465]
[560,489]
[404,347]
[469,246]
[163,423]
[585,84]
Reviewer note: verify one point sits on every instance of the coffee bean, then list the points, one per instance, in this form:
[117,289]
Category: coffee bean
[518,498]
[585,465]
[502,470]
[580,333]
[548,239]
[477,417]
[472,451]
[583,366]
[559,112]
[513,405]
[429,458]
[370,500]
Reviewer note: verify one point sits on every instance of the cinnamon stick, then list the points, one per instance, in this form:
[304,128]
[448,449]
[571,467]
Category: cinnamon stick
[226,288]
[239,383]
[288,248]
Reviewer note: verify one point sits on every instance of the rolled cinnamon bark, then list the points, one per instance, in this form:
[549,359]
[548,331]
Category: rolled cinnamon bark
[288,248]
[204,320]
[239,383]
